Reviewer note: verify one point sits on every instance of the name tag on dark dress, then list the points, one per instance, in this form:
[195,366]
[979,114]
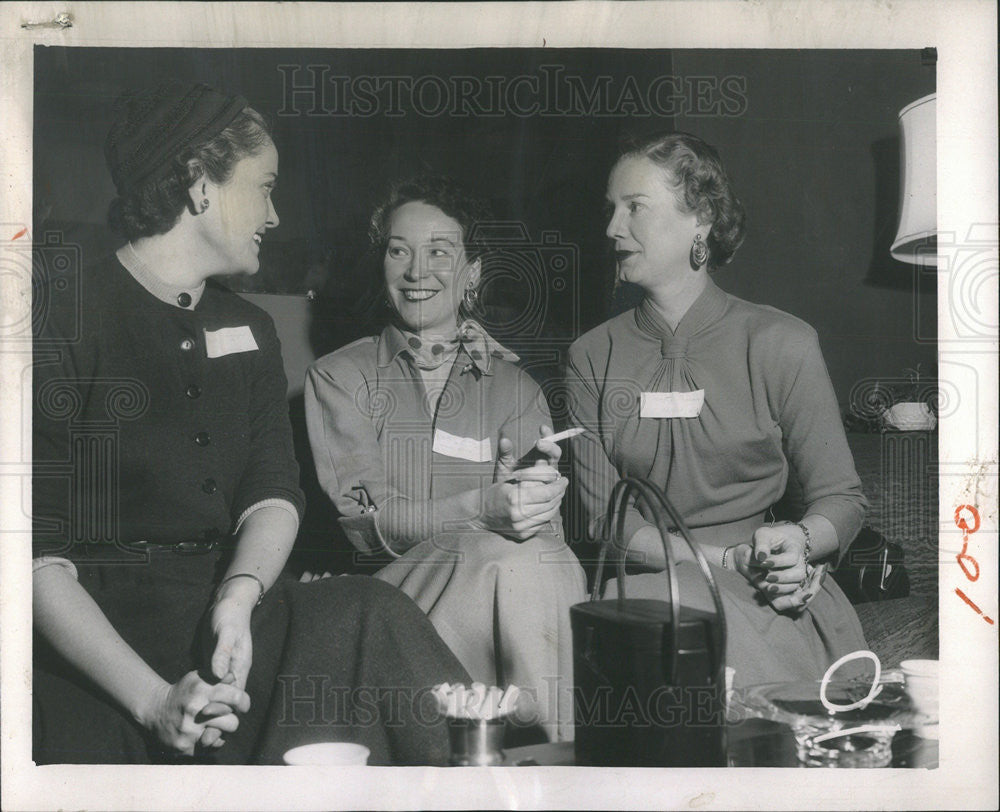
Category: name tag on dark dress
[229,340]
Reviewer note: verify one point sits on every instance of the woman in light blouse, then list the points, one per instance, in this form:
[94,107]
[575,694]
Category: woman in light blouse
[416,433]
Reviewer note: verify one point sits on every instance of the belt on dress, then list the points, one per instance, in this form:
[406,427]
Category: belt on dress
[185,547]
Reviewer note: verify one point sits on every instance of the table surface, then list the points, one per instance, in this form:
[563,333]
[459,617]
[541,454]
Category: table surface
[753,743]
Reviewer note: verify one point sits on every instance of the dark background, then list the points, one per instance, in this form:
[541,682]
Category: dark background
[813,153]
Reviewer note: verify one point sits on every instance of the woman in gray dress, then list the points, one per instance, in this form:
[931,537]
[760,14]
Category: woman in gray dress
[715,400]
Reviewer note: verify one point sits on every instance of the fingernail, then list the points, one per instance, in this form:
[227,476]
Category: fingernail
[772,589]
[772,578]
[761,556]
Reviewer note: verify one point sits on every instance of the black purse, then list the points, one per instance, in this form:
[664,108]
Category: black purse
[872,569]
[649,676]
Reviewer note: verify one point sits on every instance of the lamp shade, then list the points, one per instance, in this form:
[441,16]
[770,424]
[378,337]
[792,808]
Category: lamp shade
[916,236]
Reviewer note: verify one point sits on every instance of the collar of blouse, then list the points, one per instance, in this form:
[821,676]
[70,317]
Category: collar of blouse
[470,338]
[705,311]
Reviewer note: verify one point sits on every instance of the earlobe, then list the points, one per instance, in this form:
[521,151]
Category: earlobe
[198,197]
[475,273]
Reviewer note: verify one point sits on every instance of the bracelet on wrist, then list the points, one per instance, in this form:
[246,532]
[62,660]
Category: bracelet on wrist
[725,557]
[808,535]
[229,578]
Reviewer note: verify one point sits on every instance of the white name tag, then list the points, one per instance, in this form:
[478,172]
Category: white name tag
[229,340]
[464,448]
[671,404]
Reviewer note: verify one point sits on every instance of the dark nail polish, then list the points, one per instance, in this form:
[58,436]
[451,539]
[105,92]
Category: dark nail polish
[773,589]
[772,578]
[761,556]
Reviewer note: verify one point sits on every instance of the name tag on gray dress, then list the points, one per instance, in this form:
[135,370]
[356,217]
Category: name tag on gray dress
[671,404]
[463,448]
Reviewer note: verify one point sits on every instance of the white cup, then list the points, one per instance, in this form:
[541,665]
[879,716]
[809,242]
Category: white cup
[328,754]
[922,684]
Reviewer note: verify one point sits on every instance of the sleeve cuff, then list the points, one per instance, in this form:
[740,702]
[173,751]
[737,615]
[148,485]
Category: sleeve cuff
[846,518]
[364,533]
[54,561]
[284,504]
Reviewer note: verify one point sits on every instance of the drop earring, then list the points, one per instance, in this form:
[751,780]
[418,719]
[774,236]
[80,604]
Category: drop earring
[699,252]
[204,204]
[470,298]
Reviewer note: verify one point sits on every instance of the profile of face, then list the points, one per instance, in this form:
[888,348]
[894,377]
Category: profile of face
[426,269]
[650,225]
[240,211]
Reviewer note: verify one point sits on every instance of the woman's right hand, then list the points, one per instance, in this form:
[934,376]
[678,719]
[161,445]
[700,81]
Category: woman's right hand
[521,510]
[174,713]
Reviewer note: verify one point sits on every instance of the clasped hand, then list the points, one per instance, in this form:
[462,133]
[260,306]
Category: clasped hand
[194,711]
[775,563]
[520,507]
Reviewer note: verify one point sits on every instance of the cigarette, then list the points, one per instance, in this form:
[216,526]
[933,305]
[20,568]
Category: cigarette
[479,699]
[493,702]
[508,700]
[564,435]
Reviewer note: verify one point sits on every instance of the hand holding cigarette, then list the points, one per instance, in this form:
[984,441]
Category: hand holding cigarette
[539,464]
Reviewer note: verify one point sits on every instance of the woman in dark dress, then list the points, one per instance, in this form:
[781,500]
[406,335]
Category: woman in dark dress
[714,400]
[166,496]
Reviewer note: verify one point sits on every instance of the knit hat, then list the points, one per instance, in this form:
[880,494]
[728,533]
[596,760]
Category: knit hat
[152,127]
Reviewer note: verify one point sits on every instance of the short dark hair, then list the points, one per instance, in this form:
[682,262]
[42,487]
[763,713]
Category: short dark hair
[707,190]
[443,193]
[155,207]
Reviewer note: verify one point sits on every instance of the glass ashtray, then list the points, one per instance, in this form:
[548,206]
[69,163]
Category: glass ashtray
[853,728]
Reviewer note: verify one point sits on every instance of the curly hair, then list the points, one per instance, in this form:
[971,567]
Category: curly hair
[697,170]
[156,206]
[443,193]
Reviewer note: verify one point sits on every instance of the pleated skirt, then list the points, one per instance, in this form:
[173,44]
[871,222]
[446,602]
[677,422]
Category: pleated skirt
[503,609]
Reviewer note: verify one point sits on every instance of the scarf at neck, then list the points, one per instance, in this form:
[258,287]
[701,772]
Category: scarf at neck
[430,352]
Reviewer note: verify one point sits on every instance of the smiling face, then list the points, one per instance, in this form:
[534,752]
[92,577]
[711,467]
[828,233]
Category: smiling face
[426,270]
[241,211]
[650,227]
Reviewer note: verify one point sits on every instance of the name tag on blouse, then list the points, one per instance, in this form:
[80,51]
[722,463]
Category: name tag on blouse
[671,404]
[463,448]
[229,340]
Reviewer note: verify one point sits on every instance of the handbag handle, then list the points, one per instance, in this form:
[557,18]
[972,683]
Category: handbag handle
[661,509]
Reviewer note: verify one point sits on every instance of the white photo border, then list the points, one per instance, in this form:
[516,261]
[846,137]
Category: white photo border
[963,34]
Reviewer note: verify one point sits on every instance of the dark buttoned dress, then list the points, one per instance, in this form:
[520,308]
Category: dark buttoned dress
[156,428]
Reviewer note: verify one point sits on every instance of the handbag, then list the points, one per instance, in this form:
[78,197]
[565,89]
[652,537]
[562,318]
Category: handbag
[649,675]
[872,569]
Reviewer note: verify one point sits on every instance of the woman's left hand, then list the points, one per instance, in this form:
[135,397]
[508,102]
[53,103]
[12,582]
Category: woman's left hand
[233,653]
[777,565]
[549,452]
